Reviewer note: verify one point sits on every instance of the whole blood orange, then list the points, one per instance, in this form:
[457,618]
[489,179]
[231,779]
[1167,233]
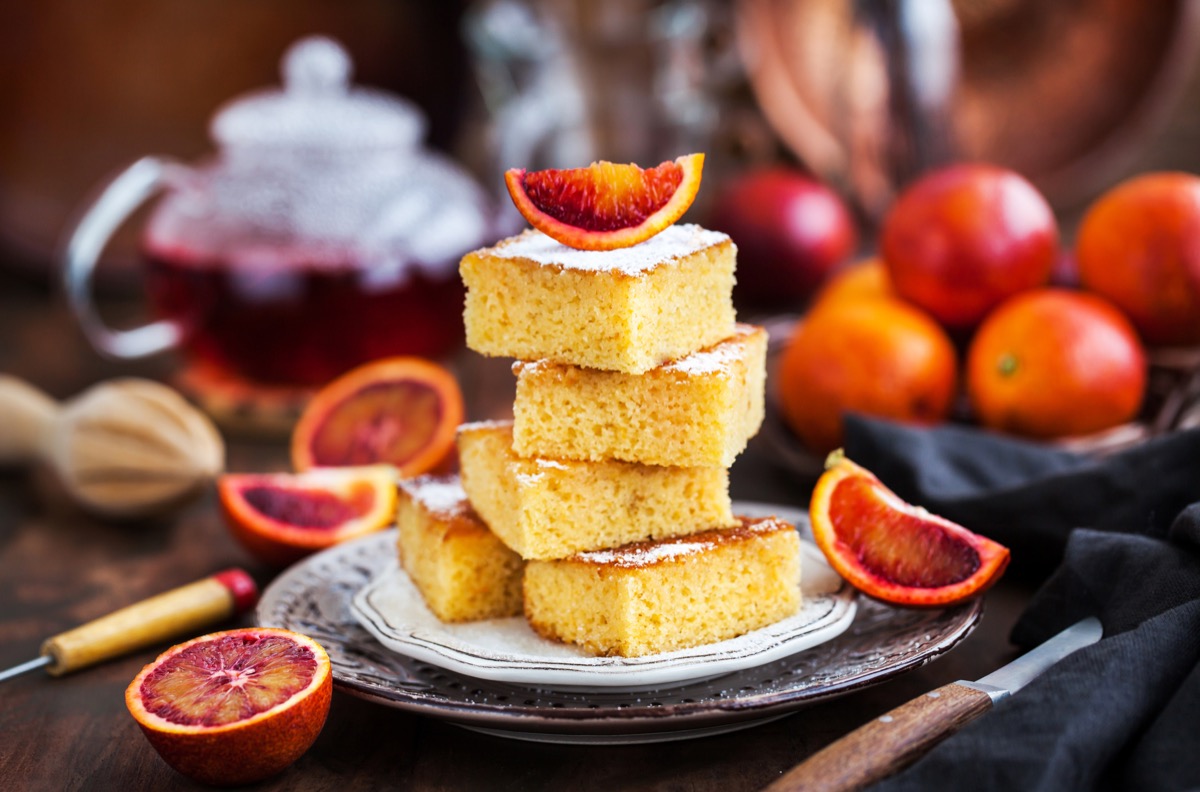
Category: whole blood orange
[605,205]
[878,357]
[960,240]
[892,550]
[234,707]
[282,517]
[1139,246]
[401,411]
[1053,363]
[791,232]
[863,280]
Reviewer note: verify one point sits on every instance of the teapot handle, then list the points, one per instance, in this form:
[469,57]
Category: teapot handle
[124,194]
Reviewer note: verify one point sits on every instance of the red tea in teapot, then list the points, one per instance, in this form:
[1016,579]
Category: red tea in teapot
[320,236]
[303,319]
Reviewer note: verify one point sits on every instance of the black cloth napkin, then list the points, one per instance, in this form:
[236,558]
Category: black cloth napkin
[1117,538]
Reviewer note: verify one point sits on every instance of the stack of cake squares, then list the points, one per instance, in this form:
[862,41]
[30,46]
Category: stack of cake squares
[636,389]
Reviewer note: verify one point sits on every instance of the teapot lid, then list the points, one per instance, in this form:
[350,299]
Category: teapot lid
[318,108]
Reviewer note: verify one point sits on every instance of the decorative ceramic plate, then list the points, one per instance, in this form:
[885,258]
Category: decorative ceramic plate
[508,650]
[315,597]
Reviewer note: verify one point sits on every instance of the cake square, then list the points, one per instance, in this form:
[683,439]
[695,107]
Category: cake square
[629,310]
[670,594]
[548,508]
[461,569]
[697,411]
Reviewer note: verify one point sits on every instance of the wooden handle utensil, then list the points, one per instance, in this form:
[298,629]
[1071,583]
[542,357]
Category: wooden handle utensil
[183,611]
[887,744]
[893,741]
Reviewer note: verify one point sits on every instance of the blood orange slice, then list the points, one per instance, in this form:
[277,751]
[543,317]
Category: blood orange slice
[605,205]
[892,550]
[282,517]
[399,411]
[234,707]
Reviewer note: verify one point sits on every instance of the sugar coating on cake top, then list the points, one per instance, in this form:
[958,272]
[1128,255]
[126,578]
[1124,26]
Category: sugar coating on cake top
[698,410]
[462,570]
[438,495]
[628,310]
[540,469]
[722,358]
[643,554]
[641,598]
[550,508]
[675,242]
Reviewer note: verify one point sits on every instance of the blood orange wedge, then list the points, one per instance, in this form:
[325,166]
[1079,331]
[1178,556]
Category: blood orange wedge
[892,550]
[282,517]
[398,411]
[606,206]
[234,707]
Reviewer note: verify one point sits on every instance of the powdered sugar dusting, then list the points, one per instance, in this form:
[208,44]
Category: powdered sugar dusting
[644,554]
[717,359]
[676,242]
[507,650]
[437,495]
[531,366]
[527,479]
[478,425]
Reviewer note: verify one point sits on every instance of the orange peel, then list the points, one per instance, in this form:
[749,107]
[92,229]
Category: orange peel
[282,517]
[234,707]
[894,551]
[606,206]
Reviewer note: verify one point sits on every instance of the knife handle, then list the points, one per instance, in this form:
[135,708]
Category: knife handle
[177,612]
[887,744]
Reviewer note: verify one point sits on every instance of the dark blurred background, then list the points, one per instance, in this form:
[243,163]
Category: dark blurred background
[1073,93]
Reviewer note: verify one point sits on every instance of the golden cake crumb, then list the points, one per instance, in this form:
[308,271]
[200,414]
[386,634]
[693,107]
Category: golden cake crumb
[548,508]
[669,594]
[629,310]
[461,569]
[697,411]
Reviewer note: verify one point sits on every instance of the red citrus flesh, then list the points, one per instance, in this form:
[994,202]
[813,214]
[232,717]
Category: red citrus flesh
[605,206]
[894,551]
[234,707]
[400,411]
[282,517]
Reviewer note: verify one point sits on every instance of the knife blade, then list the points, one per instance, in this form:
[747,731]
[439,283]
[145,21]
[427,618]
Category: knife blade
[180,611]
[895,740]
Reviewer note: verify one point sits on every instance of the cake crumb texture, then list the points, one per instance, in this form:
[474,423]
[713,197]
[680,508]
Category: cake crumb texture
[462,570]
[697,411]
[671,594]
[531,298]
[547,508]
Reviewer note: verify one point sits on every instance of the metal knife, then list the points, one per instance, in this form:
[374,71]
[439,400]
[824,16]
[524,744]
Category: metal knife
[893,741]
[181,611]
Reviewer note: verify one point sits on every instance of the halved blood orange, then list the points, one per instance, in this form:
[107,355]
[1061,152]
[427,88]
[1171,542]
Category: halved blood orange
[399,411]
[282,517]
[892,550]
[234,707]
[605,205]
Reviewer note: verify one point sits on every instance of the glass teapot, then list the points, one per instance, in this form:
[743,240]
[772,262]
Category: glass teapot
[319,236]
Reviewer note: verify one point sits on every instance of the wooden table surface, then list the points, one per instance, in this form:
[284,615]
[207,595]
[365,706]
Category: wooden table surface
[59,568]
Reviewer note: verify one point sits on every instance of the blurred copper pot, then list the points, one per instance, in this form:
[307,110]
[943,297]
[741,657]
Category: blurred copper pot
[1067,92]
